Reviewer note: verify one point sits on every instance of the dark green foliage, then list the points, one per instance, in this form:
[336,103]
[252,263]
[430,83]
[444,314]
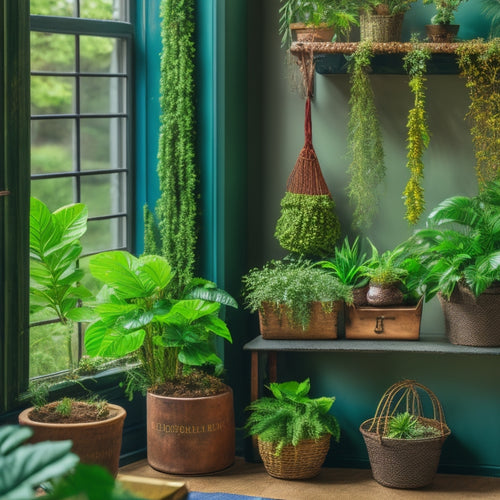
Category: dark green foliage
[291,416]
[491,9]
[295,284]
[308,224]
[152,238]
[367,168]
[176,210]
[407,426]
[445,10]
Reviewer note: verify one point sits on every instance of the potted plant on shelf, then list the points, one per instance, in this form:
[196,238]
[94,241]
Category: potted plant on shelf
[442,29]
[461,250]
[190,410]
[293,430]
[404,446]
[315,20]
[382,21]
[96,430]
[295,300]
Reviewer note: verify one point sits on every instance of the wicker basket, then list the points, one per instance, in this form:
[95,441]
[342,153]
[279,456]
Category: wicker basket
[472,321]
[274,323]
[404,463]
[295,462]
[381,28]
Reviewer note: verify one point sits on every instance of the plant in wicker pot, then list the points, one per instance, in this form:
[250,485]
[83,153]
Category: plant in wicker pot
[404,446]
[461,251]
[382,21]
[442,28]
[295,299]
[293,430]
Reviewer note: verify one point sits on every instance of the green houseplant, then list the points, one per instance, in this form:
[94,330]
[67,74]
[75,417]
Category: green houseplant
[292,429]
[442,28]
[460,249]
[295,299]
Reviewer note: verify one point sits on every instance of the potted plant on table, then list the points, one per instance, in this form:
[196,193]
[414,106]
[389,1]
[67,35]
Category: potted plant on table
[293,430]
[95,429]
[442,28]
[190,410]
[295,300]
[382,21]
[461,250]
[404,446]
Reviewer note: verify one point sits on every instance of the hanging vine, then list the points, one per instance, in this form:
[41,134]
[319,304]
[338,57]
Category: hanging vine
[367,168]
[415,63]
[176,210]
[479,63]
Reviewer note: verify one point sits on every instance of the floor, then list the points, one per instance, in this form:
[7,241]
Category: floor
[251,479]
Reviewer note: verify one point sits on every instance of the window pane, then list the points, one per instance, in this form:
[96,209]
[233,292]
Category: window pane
[53,7]
[101,9]
[102,94]
[51,146]
[55,193]
[52,95]
[52,52]
[105,235]
[104,194]
[102,144]
[102,55]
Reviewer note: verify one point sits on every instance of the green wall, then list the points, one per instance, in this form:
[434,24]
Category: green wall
[466,385]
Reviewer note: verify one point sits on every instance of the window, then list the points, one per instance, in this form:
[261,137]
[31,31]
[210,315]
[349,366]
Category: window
[81,128]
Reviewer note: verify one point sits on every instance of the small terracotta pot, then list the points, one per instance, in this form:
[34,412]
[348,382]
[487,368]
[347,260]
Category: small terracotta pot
[302,32]
[191,435]
[96,443]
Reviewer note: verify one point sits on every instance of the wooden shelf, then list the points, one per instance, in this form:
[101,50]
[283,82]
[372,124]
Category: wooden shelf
[331,57]
[429,346]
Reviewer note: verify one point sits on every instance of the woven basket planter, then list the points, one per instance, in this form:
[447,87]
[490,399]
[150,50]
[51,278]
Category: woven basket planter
[274,323]
[472,321]
[404,463]
[381,28]
[295,462]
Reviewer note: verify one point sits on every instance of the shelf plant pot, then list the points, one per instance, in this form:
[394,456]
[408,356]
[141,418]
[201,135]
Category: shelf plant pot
[441,33]
[302,32]
[472,321]
[96,443]
[274,323]
[383,323]
[295,462]
[381,28]
[190,436]
[384,295]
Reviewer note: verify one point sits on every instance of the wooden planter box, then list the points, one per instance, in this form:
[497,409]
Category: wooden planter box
[322,326]
[391,323]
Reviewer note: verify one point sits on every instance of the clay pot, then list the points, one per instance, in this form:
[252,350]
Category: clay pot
[384,295]
[441,33]
[190,435]
[302,32]
[96,443]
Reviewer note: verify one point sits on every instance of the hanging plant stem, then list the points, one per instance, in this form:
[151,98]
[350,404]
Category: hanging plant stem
[367,168]
[415,63]
[479,63]
[176,210]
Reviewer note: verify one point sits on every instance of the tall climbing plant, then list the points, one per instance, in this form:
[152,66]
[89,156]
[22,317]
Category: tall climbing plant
[176,210]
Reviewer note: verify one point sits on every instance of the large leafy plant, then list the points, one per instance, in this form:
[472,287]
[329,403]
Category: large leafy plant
[291,416]
[461,244]
[140,312]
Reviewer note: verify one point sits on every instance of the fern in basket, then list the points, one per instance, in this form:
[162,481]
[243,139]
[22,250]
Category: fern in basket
[291,416]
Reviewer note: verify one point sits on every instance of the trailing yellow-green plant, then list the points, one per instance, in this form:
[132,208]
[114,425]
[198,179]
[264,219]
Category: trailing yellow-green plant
[367,168]
[415,63]
[479,63]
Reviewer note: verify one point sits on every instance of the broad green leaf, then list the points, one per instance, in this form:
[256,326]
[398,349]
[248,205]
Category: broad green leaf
[157,269]
[198,355]
[82,314]
[188,311]
[213,295]
[107,342]
[44,232]
[216,326]
[73,221]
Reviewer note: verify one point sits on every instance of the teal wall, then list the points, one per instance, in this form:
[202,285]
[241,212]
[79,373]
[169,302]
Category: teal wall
[466,385]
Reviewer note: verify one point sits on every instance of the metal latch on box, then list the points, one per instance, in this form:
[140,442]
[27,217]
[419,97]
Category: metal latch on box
[379,325]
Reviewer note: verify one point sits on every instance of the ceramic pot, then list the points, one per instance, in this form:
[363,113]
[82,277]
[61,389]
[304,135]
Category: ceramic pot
[441,33]
[302,32]
[384,295]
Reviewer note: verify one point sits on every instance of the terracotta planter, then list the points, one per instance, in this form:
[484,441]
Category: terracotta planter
[302,32]
[191,435]
[441,33]
[322,325]
[97,443]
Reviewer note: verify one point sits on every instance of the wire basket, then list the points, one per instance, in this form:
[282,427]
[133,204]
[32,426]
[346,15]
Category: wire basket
[295,462]
[404,463]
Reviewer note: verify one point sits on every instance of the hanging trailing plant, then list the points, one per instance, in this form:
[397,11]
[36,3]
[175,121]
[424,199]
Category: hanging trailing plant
[367,168]
[415,63]
[176,210]
[479,63]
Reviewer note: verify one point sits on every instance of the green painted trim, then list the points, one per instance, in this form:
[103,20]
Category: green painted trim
[69,25]
[14,209]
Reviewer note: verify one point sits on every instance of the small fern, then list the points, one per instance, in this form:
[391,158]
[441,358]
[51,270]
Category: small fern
[407,426]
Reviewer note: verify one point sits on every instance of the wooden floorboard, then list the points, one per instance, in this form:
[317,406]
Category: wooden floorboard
[251,479]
